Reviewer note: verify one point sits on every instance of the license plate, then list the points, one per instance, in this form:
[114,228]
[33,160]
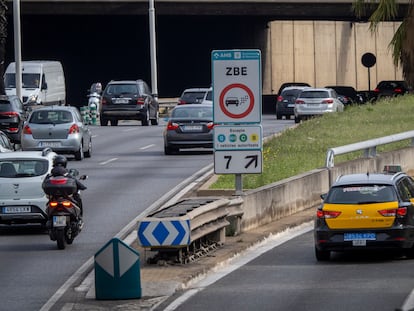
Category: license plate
[193,128]
[16,209]
[59,221]
[359,236]
[291,105]
[121,100]
[49,144]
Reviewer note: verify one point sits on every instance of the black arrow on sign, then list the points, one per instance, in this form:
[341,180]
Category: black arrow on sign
[253,158]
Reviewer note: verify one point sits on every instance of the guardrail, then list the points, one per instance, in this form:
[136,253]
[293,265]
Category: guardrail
[369,146]
[189,228]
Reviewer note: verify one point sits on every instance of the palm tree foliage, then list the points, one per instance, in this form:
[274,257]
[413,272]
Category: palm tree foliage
[402,44]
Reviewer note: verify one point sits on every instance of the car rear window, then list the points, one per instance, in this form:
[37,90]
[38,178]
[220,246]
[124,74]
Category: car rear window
[119,89]
[361,194]
[51,116]
[193,112]
[314,94]
[193,97]
[14,168]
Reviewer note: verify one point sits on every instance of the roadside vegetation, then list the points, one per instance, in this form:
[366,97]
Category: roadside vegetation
[303,148]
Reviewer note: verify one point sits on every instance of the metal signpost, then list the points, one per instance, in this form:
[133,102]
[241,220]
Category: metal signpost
[237,108]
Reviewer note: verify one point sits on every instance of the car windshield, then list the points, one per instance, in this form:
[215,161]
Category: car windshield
[314,94]
[361,194]
[29,80]
[51,117]
[119,89]
[14,168]
[193,112]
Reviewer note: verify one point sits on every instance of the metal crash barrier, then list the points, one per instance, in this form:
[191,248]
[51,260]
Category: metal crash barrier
[188,229]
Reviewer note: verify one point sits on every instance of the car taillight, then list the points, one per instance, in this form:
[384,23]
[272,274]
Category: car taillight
[327,101]
[327,214]
[280,98]
[376,90]
[210,125]
[171,126]
[299,102]
[104,101]
[74,129]
[140,101]
[395,212]
[12,129]
[398,90]
[9,113]
[181,102]
[27,130]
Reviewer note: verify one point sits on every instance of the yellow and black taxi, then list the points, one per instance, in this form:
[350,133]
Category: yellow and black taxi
[366,211]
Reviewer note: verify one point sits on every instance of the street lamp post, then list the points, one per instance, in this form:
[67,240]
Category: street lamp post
[17,47]
[153,49]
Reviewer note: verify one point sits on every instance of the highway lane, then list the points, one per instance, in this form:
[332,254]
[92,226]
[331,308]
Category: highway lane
[128,171]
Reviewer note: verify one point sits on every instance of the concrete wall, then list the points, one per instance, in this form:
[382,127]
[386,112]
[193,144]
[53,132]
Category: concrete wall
[266,204]
[328,53]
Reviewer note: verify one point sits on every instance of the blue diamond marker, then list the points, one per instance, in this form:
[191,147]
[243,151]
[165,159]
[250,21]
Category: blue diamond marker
[160,233]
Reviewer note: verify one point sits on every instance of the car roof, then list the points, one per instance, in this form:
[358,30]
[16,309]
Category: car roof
[297,87]
[199,89]
[193,106]
[47,153]
[367,179]
[125,81]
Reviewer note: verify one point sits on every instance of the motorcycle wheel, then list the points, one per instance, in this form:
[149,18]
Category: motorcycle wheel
[60,239]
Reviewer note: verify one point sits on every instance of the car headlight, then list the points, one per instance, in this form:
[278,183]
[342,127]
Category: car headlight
[33,99]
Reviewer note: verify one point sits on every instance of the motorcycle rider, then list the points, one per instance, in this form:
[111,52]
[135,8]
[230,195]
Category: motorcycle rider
[59,169]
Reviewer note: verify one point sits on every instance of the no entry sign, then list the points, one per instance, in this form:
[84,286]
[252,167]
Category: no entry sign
[237,86]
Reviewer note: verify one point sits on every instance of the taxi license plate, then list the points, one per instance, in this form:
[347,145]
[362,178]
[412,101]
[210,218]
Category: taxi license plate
[16,209]
[359,239]
[59,221]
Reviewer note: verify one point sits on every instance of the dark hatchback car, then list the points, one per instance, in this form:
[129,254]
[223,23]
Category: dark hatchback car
[390,88]
[12,117]
[286,101]
[128,100]
[288,84]
[189,126]
[347,94]
[366,211]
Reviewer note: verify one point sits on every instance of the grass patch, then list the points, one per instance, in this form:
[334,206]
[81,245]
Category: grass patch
[303,148]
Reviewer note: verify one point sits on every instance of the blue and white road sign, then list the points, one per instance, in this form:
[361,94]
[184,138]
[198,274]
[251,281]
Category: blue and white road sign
[164,233]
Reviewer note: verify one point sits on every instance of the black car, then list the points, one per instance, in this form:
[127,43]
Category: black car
[286,101]
[128,100]
[12,117]
[390,88]
[287,84]
[347,94]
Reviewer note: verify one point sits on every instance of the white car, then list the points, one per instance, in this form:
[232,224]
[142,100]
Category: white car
[193,96]
[22,200]
[316,101]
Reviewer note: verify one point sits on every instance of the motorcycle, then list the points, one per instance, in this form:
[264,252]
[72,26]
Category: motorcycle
[94,97]
[63,209]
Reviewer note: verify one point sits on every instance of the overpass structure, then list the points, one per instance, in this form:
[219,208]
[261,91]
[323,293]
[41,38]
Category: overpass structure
[314,41]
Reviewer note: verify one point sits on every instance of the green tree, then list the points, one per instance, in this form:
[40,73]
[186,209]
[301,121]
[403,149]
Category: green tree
[3,37]
[402,44]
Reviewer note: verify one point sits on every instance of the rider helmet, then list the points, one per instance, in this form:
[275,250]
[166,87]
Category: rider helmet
[60,160]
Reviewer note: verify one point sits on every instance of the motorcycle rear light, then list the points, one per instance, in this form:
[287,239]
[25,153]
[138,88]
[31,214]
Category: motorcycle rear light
[327,214]
[171,126]
[53,204]
[67,204]
[59,181]
[27,130]
[74,129]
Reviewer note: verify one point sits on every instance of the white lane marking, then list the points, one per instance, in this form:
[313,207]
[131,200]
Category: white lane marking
[228,266]
[108,161]
[408,303]
[146,147]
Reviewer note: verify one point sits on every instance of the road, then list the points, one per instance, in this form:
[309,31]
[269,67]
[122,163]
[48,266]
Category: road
[286,276]
[128,172]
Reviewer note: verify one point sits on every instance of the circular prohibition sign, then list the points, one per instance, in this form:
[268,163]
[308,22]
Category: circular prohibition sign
[223,106]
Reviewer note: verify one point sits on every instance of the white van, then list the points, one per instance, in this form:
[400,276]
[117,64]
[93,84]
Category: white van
[43,82]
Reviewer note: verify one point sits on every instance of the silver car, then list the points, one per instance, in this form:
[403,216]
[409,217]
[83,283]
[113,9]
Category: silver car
[60,128]
[316,101]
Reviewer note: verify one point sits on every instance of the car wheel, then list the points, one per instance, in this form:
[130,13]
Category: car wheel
[322,255]
[297,119]
[145,121]
[88,152]
[114,122]
[79,153]
[103,121]
[156,120]
[170,150]
[278,116]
